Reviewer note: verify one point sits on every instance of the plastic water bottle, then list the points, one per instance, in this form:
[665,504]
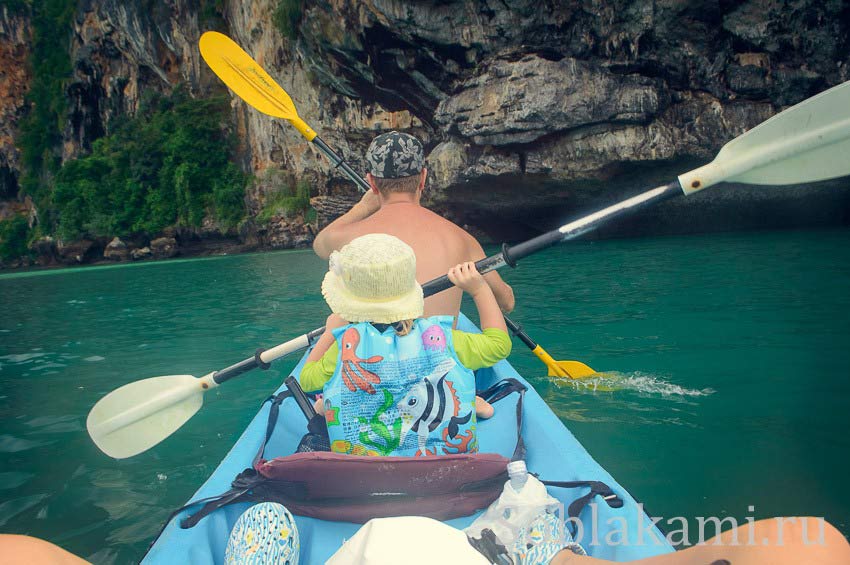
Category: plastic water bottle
[522,500]
[518,474]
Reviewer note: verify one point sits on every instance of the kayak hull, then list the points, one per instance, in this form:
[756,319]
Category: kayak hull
[622,534]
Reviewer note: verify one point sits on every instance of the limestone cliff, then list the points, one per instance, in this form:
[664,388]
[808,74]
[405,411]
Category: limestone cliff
[531,111]
[14,81]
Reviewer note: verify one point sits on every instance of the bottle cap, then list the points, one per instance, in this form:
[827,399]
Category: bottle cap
[517,468]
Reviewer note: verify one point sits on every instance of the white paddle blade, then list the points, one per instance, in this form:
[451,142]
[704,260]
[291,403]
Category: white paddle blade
[808,142]
[139,415]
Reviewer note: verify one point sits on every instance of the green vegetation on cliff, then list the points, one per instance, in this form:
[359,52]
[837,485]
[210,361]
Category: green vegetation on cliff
[287,16]
[50,64]
[13,238]
[291,200]
[169,165]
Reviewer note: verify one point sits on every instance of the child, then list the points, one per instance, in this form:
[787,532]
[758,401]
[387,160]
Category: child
[395,383]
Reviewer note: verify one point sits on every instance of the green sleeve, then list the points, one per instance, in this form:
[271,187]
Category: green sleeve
[486,349]
[315,374]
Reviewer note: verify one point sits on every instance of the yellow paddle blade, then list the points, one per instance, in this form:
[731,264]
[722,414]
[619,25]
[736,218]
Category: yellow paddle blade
[245,77]
[570,369]
[567,369]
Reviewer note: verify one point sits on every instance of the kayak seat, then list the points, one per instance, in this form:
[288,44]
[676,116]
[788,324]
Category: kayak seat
[353,488]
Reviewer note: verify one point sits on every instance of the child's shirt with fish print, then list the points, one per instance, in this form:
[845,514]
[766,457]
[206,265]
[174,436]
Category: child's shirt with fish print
[400,395]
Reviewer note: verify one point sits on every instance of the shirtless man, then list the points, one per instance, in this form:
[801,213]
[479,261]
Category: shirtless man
[397,173]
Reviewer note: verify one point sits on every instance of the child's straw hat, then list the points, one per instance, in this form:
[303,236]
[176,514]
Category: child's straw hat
[373,279]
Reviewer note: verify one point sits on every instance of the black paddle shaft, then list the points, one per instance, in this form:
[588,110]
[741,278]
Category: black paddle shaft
[256,361]
[339,163]
[509,255]
[516,329]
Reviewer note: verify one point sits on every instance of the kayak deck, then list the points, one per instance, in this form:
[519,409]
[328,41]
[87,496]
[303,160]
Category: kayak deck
[552,452]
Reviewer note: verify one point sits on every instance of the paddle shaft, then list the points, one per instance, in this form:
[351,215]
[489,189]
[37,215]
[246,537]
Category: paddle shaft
[517,331]
[339,163]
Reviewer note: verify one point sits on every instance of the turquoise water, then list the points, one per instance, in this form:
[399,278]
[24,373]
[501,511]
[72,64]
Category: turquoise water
[731,353]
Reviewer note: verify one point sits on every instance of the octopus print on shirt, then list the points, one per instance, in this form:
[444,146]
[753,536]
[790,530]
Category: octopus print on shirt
[400,395]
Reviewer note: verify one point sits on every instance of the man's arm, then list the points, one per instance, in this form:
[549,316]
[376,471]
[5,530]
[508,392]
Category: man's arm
[333,236]
[502,290]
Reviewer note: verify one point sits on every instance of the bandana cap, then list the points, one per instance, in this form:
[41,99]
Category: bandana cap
[394,155]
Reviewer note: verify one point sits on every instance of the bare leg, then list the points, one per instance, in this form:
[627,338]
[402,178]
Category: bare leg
[777,541]
[24,550]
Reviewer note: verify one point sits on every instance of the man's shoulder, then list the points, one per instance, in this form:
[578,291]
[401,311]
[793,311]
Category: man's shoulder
[416,214]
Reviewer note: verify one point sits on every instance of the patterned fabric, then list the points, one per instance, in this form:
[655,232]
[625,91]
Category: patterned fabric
[265,533]
[394,155]
[400,395]
[541,540]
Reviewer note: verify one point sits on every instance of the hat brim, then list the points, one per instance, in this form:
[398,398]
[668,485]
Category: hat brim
[353,308]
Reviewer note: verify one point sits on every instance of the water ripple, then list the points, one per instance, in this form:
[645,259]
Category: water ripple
[12,444]
[12,508]
[635,381]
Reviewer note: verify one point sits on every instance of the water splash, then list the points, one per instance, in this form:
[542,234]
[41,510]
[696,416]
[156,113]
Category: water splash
[635,381]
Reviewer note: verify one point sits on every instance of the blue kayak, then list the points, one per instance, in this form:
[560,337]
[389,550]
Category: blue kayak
[621,534]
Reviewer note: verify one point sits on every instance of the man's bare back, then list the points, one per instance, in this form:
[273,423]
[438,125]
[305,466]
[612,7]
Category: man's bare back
[438,243]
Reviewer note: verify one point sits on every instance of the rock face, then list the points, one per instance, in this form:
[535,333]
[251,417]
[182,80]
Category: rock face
[520,102]
[541,110]
[76,252]
[531,112]
[116,250]
[163,248]
[138,254]
[14,84]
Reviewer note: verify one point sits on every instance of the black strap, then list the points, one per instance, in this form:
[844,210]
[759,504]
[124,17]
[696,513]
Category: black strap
[274,412]
[597,488]
[243,482]
[240,490]
[499,391]
[490,547]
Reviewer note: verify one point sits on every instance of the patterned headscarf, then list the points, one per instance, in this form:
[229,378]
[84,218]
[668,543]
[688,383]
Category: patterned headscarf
[394,155]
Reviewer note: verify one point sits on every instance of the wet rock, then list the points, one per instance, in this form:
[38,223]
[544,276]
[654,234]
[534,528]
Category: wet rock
[286,233]
[45,250]
[447,163]
[116,250]
[328,208]
[75,252]
[164,248]
[142,253]
[748,80]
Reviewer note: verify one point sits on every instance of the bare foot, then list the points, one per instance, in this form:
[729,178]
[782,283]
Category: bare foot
[483,409]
